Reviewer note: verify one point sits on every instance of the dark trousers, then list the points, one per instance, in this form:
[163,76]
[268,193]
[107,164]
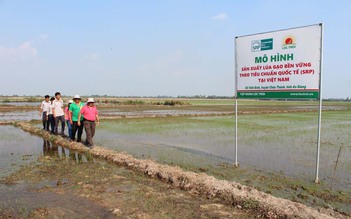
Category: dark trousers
[69,127]
[45,121]
[62,120]
[89,127]
[51,121]
[76,128]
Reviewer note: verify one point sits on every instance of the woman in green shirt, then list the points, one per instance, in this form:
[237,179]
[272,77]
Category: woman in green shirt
[74,110]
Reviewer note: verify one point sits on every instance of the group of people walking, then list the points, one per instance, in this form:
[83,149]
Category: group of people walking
[76,115]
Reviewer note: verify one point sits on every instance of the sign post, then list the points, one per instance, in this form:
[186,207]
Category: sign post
[284,64]
[320,107]
[236,108]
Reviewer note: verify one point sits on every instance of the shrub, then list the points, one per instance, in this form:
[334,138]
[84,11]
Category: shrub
[172,102]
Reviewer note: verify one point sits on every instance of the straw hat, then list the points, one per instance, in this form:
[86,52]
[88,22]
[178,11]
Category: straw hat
[70,101]
[90,100]
[77,97]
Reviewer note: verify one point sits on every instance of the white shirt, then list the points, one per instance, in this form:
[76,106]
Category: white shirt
[58,107]
[50,108]
[45,106]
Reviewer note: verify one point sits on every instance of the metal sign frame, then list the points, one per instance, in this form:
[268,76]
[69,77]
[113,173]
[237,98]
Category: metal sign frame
[318,97]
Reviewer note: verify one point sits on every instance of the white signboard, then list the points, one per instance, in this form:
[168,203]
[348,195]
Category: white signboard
[279,65]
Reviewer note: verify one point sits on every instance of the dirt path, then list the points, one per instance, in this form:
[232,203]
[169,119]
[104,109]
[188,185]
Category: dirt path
[230,193]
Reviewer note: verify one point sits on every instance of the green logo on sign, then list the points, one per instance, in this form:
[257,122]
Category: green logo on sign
[262,45]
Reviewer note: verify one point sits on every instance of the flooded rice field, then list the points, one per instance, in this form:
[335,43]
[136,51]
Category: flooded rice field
[289,138]
[280,143]
[276,150]
[14,151]
[19,116]
[156,113]
[23,111]
[48,181]
[37,104]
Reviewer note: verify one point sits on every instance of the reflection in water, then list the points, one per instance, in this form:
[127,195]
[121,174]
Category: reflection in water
[53,150]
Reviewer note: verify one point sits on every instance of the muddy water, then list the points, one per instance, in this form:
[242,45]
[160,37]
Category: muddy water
[15,111]
[283,143]
[116,112]
[291,143]
[19,116]
[14,150]
[21,103]
[18,148]
[56,183]
[33,115]
[160,148]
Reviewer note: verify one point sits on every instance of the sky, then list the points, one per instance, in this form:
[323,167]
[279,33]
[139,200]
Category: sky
[155,47]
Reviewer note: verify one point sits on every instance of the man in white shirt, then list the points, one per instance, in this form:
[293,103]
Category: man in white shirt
[59,114]
[51,118]
[43,112]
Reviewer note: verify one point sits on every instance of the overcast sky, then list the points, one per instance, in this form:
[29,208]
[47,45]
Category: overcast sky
[148,48]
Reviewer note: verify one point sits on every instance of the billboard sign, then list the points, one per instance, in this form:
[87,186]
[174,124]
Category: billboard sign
[282,64]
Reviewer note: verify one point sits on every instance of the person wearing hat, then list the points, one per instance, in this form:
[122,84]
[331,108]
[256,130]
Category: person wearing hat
[90,114]
[74,110]
[67,118]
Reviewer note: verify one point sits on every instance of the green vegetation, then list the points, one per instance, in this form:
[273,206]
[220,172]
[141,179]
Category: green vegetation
[133,102]
[171,103]
[281,145]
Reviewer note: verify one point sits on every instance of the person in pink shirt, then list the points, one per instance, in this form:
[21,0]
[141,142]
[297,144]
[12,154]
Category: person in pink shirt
[91,117]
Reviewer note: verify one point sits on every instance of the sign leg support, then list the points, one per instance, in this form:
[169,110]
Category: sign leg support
[236,132]
[320,107]
[318,140]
